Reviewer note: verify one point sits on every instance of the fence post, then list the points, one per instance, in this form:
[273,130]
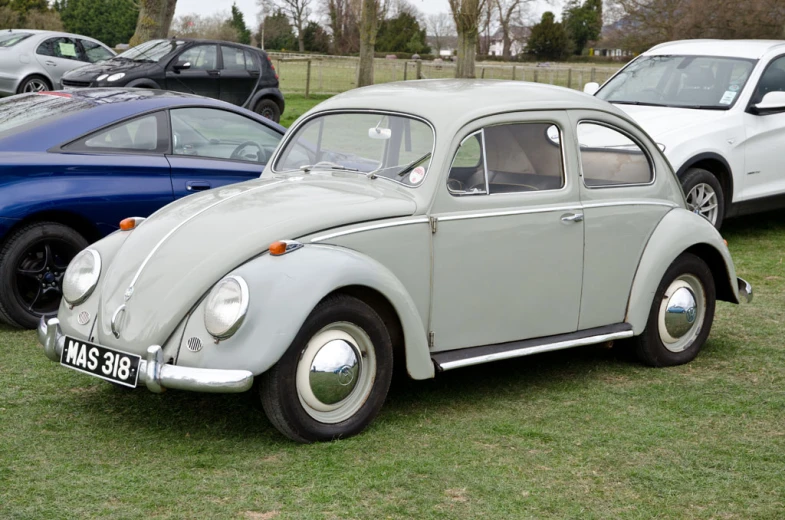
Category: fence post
[319,63]
[593,74]
[482,72]
[580,80]
[536,73]
[405,69]
[569,78]
[513,72]
[419,69]
[307,78]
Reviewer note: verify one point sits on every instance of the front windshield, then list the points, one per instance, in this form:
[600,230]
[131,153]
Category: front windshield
[679,81]
[10,39]
[390,146]
[151,51]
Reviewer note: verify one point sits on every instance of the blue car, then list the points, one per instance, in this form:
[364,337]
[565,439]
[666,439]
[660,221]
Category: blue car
[75,163]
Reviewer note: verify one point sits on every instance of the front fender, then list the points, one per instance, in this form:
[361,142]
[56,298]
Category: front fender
[283,292]
[677,232]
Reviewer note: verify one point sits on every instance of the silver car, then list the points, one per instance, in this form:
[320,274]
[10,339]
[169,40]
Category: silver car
[33,61]
[402,225]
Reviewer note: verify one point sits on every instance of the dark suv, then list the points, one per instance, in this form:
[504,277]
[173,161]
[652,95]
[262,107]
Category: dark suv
[239,74]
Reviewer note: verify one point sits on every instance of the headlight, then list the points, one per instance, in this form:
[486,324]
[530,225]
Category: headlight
[81,277]
[115,77]
[226,306]
[102,77]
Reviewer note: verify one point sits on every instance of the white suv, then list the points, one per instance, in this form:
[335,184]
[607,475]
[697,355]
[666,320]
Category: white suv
[717,107]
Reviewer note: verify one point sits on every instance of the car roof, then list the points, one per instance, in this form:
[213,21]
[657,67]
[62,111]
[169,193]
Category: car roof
[47,33]
[222,42]
[463,100]
[751,49]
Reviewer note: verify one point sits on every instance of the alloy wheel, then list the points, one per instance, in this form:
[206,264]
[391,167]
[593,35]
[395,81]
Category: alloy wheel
[702,200]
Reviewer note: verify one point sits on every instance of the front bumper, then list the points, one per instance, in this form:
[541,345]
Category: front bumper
[745,290]
[153,372]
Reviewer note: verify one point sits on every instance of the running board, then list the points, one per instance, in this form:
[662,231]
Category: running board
[465,357]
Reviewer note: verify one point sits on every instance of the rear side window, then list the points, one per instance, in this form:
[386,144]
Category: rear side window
[610,158]
[234,59]
[146,134]
[59,48]
[251,62]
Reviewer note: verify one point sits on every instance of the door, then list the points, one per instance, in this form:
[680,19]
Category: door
[203,75]
[508,246]
[57,56]
[764,167]
[213,147]
[239,75]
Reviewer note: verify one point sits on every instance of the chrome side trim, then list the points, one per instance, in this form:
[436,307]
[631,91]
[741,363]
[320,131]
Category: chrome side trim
[419,220]
[504,213]
[629,203]
[449,365]
[130,290]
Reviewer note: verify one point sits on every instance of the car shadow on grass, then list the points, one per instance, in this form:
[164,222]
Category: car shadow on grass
[753,226]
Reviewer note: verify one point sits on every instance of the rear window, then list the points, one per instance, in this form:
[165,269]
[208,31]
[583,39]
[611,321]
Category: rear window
[11,39]
[25,111]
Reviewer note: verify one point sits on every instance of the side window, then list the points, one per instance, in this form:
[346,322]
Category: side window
[251,62]
[201,57]
[219,134]
[467,173]
[145,134]
[59,48]
[773,80]
[233,58]
[509,158]
[610,158]
[94,52]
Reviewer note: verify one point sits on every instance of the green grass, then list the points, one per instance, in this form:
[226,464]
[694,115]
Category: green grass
[297,105]
[579,434]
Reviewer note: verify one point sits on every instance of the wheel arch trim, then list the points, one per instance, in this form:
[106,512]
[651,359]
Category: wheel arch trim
[712,156]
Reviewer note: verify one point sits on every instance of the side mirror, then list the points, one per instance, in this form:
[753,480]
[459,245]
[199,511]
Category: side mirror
[771,103]
[181,65]
[591,88]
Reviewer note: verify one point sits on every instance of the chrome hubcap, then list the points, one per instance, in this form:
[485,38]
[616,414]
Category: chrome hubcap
[336,372]
[681,313]
[702,200]
[35,85]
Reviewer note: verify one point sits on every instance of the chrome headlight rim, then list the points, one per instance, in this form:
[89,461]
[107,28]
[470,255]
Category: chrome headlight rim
[243,310]
[95,274]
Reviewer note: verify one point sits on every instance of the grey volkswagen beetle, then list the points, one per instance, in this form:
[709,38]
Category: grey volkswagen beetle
[402,224]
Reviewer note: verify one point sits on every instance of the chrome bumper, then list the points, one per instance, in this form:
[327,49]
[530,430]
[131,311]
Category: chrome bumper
[745,290]
[153,372]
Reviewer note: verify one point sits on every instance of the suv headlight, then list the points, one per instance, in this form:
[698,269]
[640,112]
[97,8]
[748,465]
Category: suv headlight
[81,277]
[225,307]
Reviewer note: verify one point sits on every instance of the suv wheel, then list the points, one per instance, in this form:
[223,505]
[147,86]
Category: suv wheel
[704,195]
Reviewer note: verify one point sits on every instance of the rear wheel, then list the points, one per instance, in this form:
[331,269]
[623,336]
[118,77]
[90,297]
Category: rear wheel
[334,378]
[704,195]
[34,84]
[269,109]
[32,265]
[681,314]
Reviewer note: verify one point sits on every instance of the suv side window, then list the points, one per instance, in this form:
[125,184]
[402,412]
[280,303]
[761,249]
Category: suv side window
[146,134]
[508,158]
[59,48]
[94,52]
[773,80]
[234,59]
[610,158]
[201,57]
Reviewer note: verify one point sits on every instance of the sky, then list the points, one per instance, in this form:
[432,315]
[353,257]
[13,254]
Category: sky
[249,9]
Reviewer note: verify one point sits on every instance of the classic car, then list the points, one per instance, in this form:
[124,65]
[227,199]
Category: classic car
[392,231]
[717,107]
[74,163]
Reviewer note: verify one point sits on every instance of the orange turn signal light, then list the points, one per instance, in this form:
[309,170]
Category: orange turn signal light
[726,243]
[127,224]
[281,247]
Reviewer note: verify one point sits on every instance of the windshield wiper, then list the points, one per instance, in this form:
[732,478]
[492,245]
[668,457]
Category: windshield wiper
[320,166]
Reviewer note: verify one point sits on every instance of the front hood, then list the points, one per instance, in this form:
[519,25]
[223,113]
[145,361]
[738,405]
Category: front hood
[113,66]
[661,121]
[167,264]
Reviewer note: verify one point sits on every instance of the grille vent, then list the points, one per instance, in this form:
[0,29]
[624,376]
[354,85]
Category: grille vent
[194,344]
[83,318]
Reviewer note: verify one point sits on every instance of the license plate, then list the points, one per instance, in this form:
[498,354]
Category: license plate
[109,364]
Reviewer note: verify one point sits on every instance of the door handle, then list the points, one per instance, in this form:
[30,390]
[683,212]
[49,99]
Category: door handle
[214,72]
[197,186]
[572,217]
[51,63]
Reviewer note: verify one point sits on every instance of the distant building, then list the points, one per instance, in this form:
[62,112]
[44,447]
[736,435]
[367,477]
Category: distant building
[519,36]
[448,45]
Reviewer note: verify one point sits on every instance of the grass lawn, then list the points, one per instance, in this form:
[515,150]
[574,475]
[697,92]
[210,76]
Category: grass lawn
[575,434]
[297,105]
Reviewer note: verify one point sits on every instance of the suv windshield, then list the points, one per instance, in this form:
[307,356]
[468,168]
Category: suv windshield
[10,39]
[391,146]
[679,81]
[151,51]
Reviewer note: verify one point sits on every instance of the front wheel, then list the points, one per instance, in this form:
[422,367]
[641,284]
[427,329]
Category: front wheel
[334,378]
[681,314]
[704,195]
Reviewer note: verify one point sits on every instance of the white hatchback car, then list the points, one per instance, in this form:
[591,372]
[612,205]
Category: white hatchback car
[717,108]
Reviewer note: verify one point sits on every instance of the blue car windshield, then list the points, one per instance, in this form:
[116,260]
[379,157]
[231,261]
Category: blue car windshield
[151,51]
[10,39]
[21,112]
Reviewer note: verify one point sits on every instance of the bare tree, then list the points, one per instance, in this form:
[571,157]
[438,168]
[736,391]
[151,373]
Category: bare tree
[466,14]
[212,27]
[440,25]
[511,13]
[298,11]
[155,18]
[344,17]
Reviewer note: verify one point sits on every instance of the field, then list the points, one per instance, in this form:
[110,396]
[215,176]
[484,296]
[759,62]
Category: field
[585,433]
